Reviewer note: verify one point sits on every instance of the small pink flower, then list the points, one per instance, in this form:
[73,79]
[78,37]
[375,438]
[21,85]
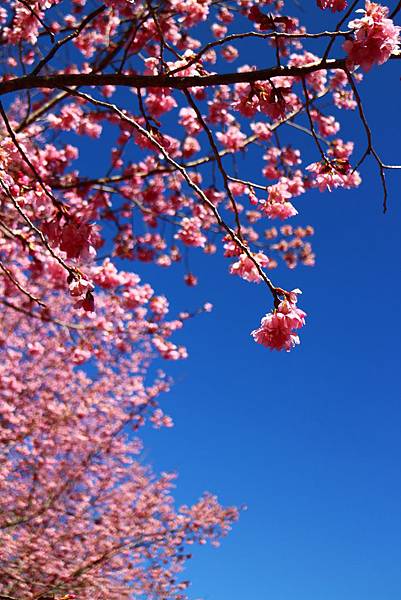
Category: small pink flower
[189,120]
[190,279]
[233,139]
[261,130]
[190,232]
[277,205]
[190,146]
[80,286]
[246,268]
[279,210]
[229,53]
[87,303]
[159,306]
[159,419]
[333,5]
[219,31]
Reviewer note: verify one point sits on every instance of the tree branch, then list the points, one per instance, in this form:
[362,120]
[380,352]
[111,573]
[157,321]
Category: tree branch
[63,80]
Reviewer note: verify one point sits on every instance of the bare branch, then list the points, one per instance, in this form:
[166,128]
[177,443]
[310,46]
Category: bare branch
[253,34]
[312,126]
[370,149]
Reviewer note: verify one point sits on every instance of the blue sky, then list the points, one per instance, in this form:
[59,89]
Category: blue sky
[309,440]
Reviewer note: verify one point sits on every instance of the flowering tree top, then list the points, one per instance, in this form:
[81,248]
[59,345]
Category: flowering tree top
[166,83]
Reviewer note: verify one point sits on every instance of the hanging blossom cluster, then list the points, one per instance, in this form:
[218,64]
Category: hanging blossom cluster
[376,38]
[277,329]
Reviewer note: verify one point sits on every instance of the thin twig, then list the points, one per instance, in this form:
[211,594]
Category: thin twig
[57,203]
[312,126]
[21,288]
[253,34]
[396,10]
[339,24]
[218,160]
[370,149]
[68,38]
[34,14]
[250,184]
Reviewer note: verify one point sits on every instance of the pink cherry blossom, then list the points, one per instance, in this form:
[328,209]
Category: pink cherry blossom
[277,329]
[190,279]
[330,174]
[229,53]
[376,37]
[246,268]
[233,139]
[277,205]
[190,232]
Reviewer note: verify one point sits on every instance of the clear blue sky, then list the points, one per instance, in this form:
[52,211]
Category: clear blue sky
[309,441]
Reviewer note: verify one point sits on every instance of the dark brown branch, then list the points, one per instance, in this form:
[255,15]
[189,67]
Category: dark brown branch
[113,50]
[312,126]
[61,81]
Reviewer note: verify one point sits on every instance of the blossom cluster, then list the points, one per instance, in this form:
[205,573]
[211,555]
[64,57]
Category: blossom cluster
[376,37]
[277,329]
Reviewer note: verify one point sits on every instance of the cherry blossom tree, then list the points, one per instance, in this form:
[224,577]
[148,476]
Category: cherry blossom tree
[155,84]
[80,514]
